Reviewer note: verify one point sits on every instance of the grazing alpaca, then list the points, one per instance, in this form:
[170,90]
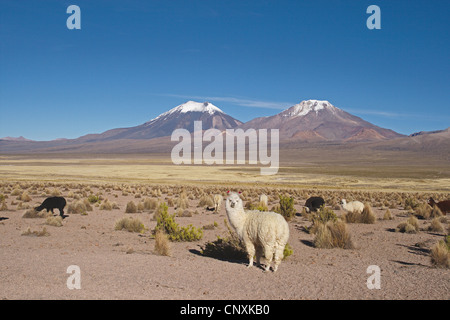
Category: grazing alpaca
[314,203]
[263,200]
[52,203]
[217,202]
[261,232]
[443,205]
[352,206]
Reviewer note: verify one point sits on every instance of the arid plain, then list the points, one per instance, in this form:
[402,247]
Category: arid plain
[118,264]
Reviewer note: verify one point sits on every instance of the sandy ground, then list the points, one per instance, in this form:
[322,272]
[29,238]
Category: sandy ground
[123,265]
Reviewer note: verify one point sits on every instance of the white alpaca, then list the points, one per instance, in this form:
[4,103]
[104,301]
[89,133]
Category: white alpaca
[217,202]
[261,232]
[352,206]
[263,200]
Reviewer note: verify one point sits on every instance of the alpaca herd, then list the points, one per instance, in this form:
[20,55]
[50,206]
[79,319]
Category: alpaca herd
[261,232]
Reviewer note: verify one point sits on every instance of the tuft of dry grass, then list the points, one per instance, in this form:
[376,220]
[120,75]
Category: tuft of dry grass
[31,213]
[333,234]
[162,244]
[150,204]
[206,201]
[423,211]
[3,207]
[436,212]
[409,226]
[436,226]
[79,207]
[42,233]
[440,255]
[54,221]
[130,224]
[131,207]
[367,215]
[387,215]
[106,205]
[352,217]
[24,197]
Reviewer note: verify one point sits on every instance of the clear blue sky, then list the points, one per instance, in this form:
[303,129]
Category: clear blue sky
[133,60]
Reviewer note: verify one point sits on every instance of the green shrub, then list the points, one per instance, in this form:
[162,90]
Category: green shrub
[167,224]
[260,206]
[322,216]
[286,208]
[287,251]
[93,199]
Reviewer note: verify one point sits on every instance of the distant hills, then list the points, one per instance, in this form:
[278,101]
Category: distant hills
[312,122]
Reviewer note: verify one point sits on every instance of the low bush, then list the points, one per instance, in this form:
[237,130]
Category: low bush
[409,226]
[440,255]
[130,224]
[333,234]
[162,244]
[131,207]
[286,208]
[167,224]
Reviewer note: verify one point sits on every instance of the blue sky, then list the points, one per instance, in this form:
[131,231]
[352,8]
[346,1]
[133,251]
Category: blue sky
[133,60]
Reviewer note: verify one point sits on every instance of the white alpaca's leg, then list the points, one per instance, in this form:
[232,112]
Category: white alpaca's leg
[259,252]
[279,255]
[250,252]
[268,253]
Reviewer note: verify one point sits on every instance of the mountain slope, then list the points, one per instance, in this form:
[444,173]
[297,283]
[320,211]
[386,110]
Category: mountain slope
[315,120]
[182,116]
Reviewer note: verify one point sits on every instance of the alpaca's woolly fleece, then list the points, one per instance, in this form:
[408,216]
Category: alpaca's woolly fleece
[217,202]
[263,200]
[352,206]
[261,232]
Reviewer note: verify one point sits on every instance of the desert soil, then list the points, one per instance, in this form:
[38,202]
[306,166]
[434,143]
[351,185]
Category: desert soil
[123,265]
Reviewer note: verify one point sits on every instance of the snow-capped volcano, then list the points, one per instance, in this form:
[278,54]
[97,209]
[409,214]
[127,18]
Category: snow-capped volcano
[319,120]
[191,106]
[307,106]
[182,116]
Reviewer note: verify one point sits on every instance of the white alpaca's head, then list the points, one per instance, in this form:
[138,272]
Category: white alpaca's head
[343,202]
[233,201]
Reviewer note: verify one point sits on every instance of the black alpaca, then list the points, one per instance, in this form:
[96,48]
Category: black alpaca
[314,203]
[52,203]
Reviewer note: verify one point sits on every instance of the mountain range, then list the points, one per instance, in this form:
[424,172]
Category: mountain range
[310,121]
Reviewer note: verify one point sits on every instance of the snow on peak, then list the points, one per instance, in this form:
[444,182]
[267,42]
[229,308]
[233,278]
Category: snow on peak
[191,106]
[307,106]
